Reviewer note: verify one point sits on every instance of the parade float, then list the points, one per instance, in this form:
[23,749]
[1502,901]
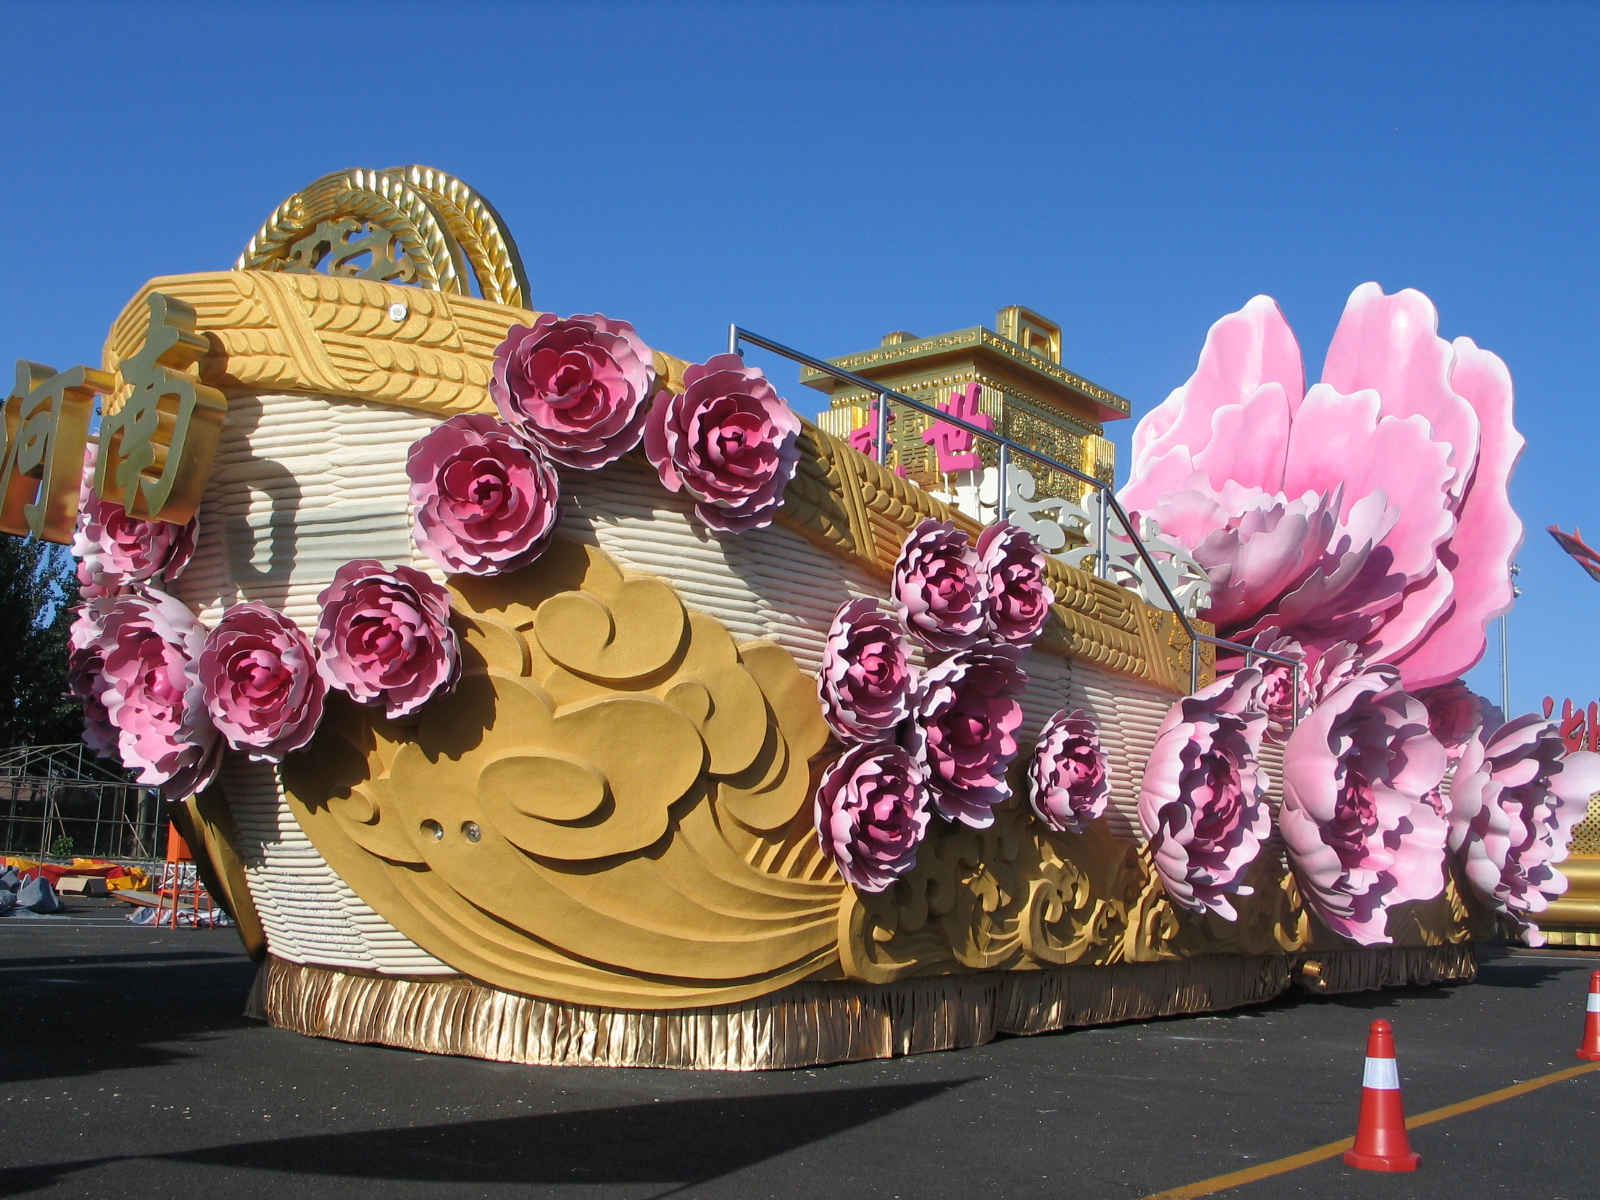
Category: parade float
[529,693]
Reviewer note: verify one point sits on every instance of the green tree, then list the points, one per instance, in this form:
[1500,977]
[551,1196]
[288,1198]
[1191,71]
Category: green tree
[38,590]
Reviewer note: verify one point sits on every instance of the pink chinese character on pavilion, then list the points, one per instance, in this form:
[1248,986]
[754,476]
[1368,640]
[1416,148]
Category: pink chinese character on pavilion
[952,444]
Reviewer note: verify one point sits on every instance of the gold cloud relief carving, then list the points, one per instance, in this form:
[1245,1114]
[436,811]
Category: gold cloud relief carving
[610,809]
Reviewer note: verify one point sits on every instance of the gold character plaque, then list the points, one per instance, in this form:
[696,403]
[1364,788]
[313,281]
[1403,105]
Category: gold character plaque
[156,449]
[45,432]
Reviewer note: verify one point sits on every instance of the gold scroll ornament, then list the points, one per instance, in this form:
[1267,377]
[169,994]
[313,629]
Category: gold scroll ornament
[46,432]
[609,809]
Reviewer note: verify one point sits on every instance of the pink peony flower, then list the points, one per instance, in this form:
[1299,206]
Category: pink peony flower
[1455,714]
[580,387]
[728,441]
[486,501]
[1201,800]
[940,587]
[866,678]
[1516,796]
[116,551]
[1360,814]
[150,645]
[966,731]
[1276,695]
[385,636]
[86,663]
[1371,508]
[261,683]
[1069,775]
[871,814]
[1013,568]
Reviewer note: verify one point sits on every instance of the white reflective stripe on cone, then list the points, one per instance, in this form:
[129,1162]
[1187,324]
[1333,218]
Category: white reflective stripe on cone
[1381,1073]
[1594,1001]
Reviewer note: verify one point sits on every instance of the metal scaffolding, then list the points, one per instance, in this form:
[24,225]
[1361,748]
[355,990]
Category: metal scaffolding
[57,801]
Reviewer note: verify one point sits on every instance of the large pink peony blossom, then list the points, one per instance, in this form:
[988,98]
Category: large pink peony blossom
[1013,568]
[729,441]
[965,732]
[940,587]
[116,551]
[871,814]
[866,678]
[86,676]
[579,387]
[1360,817]
[385,637]
[1371,508]
[1516,796]
[1201,800]
[486,500]
[1069,777]
[150,645]
[261,683]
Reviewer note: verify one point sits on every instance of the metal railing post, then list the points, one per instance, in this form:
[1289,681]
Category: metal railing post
[881,434]
[1002,505]
[1102,557]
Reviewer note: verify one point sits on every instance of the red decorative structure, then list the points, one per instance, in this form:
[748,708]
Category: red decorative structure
[953,445]
[1585,556]
[1579,728]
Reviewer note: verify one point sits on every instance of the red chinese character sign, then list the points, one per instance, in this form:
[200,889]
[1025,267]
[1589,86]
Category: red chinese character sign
[951,443]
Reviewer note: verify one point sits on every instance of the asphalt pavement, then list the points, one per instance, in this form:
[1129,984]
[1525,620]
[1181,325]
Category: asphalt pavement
[126,1069]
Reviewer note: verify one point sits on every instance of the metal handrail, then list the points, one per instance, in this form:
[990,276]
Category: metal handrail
[1008,447]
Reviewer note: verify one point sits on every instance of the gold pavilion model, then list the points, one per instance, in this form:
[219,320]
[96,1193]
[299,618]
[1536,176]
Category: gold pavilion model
[1025,390]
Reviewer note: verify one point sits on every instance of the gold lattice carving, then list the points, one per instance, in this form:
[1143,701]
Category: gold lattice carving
[415,224]
[610,809]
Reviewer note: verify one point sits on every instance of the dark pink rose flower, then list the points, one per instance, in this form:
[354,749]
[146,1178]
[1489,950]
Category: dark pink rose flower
[871,813]
[485,500]
[1455,714]
[1361,815]
[86,677]
[261,683]
[729,441]
[966,731]
[866,677]
[1069,776]
[385,637]
[150,645]
[116,551]
[1515,798]
[578,387]
[1201,801]
[1019,597]
[940,587]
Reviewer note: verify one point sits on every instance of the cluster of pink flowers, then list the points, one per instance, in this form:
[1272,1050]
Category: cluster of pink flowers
[1362,526]
[979,607]
[581,392]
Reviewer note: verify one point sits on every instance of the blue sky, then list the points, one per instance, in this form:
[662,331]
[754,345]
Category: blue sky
[824,173]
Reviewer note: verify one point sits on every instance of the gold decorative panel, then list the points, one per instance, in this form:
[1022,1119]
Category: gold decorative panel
[610,809]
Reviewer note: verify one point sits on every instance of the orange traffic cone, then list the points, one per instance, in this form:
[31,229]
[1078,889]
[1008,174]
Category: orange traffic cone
[1591,1023]
[1381,1142]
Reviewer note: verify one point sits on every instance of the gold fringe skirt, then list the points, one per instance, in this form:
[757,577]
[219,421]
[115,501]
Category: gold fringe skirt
[807,1024]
